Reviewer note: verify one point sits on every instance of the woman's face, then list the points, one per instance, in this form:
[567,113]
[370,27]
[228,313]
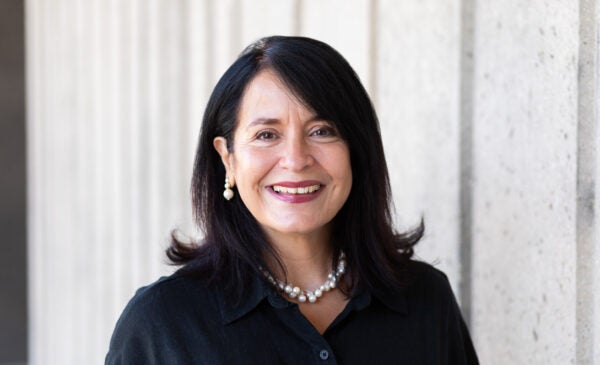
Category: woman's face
[291,168]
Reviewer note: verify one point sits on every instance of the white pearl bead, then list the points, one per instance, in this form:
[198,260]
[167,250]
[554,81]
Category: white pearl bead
[228,194]
[294,292]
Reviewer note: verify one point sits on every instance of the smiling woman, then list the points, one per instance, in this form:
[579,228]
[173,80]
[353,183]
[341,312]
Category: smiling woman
[291,167]
[300,262]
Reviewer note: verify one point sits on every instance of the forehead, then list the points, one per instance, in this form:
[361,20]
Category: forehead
[267,96]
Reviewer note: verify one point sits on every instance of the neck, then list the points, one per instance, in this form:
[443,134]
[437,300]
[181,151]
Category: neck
[306,257]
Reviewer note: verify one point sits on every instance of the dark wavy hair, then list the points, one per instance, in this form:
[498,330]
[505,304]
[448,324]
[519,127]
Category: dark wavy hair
[234,246]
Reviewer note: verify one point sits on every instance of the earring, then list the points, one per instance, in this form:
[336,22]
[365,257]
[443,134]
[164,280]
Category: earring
[228,193]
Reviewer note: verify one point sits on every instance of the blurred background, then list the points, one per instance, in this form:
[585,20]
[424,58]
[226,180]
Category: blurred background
[489,112]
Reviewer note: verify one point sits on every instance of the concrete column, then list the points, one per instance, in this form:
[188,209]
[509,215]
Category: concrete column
[112,122]
[588,186]
[525,180]
[418,83]
[262,18]
[343,24]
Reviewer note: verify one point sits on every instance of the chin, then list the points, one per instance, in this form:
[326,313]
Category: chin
[297,228]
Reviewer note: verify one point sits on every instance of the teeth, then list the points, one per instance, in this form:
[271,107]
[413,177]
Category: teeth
[304,190]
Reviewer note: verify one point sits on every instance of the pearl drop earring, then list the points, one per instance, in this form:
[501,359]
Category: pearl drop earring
[228,193]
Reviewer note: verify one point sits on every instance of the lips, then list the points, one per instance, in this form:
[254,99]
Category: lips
[299,190]
[296,192]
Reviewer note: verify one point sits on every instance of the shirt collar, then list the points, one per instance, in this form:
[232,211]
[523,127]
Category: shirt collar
[256,291]
[395,301]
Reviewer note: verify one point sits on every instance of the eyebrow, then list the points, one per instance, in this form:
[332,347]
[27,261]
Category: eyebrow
[271,121]
[263,121]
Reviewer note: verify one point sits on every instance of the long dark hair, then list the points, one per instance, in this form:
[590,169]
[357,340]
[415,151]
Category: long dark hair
[234,246]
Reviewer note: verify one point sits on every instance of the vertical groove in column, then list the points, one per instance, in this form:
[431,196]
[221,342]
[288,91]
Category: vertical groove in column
[142,130]
[135,135]
[82,314]
[66,180]
[373,49]
[52,197]
[587,162]
[236,32]
[466,153]
[44,175]
[184,143]
[163,144]
[177,76]
[114,154]
[33,89]
[298,17]
[154,178]
[197,71]
[95,186]
[210,46]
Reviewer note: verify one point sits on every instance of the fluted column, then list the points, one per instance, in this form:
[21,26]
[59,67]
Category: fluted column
[115,93]
[418,84]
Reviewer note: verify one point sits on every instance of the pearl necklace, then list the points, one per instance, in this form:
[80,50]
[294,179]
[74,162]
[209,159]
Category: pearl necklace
[294,292]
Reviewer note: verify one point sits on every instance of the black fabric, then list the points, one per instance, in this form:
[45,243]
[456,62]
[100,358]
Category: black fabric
[179,320]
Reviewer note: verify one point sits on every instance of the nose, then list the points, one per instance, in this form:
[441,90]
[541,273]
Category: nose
[296,154]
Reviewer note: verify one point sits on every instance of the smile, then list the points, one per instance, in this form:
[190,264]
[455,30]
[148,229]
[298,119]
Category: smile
[299,190]
[296,191]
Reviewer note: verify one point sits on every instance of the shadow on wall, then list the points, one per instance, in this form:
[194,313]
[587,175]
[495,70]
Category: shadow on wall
[13,267]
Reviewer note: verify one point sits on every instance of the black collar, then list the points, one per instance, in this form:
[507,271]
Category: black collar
[259,290]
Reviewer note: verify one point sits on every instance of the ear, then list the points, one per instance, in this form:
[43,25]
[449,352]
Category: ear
[220,144]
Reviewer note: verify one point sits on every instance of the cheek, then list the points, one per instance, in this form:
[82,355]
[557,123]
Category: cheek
[347,178]
[251,166]
[339,161]
[346,175]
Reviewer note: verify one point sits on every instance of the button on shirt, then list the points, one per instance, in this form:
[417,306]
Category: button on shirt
[180,320]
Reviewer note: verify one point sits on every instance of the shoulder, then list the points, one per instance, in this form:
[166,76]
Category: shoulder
[171,293]
[157,316]
[431,300]
[424,278]
[425,291]
[428,293]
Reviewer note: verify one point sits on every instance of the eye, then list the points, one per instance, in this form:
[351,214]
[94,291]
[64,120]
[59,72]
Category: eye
[265,136]
[324,131]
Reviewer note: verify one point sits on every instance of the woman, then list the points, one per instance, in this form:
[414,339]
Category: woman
[300,263]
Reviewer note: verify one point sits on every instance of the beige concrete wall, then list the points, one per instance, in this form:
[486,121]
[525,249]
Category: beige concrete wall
[489,114]
[525,180]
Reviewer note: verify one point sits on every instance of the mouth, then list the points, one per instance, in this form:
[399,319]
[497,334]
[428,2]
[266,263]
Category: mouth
[297,191]
[300,190]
